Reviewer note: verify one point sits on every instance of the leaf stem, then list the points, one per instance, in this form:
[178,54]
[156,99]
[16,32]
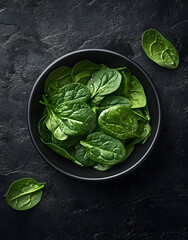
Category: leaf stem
[121,68]
[46,104]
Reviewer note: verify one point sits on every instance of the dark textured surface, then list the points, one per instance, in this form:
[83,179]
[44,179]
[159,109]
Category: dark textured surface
[151,203]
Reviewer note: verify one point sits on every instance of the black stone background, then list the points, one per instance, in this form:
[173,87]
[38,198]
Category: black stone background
[152,202]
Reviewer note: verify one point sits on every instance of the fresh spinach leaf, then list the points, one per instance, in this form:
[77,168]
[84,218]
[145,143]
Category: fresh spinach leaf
[67,153]
[129,150]
[24,194]
[77,118]
[83,70]
[123,89]
[43,130]
[142,113]
[112,100]
[119,122]
[71,92]
[136,94]
[102,167]
[67,143]
[55,126]
[159,49]
[82,157]
[57,79]
[144,131]
[104,82]
[104,149]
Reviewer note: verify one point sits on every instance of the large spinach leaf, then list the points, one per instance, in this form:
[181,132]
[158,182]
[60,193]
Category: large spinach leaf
[104,149]
[24,194]
[71,92]
[102,167]
[119,122]
[104,82]
[159,49]
[77,118]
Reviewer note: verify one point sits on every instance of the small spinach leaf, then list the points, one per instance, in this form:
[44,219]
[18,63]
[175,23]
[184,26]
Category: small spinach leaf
[104,149]
[56,79]
[142,113]
[136,94]
[129,150]
[24,194]
[67,143]
[43,130]
[159,49]
[55,126]
[112,100]
[123,89]
[82,157]
[144,131]
[119,122]
[67,153]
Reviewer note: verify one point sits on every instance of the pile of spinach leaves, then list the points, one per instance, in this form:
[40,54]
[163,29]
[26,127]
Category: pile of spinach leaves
[94,115]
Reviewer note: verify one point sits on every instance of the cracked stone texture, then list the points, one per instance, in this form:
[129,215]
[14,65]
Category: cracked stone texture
[151,203]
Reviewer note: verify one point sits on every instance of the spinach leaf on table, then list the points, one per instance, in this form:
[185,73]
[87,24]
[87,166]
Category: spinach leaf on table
[119,122]
[24,194]
[104,149]
[159,49]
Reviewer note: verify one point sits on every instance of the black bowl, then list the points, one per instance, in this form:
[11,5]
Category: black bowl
[141,151]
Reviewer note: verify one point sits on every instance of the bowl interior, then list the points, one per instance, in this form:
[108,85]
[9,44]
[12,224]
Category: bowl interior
[35,110]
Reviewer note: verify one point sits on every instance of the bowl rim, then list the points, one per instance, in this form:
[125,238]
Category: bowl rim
[114,176]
